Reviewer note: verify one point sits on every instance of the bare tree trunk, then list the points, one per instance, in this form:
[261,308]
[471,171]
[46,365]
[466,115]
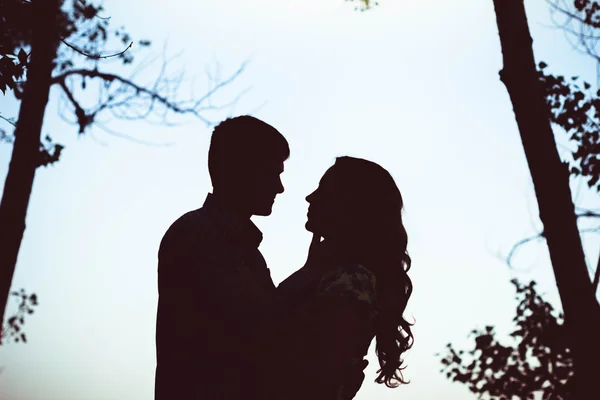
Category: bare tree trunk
[551,181]
[26,149]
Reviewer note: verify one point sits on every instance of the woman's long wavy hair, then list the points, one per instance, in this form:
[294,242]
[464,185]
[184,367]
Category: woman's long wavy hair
[379,240]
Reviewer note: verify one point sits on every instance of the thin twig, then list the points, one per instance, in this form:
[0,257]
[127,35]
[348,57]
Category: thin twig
[96,56]
[588,214]
[82,118]
[195,108]
[8,120]
[131,138]
[540,236]
[520,243]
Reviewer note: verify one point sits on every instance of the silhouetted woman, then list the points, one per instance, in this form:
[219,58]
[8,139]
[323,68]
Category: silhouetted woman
[354,286]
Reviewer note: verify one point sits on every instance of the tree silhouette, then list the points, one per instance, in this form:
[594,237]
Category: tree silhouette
[551,178]
[66,44]
[537,361]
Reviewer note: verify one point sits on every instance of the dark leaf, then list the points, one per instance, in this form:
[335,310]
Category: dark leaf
[22,57]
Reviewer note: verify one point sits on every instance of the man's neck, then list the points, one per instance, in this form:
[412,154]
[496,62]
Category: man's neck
[233,205]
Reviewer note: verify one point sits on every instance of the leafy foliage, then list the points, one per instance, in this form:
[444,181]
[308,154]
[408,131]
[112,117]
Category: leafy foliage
[13,328]
[590,10]
[84,33]
[573,104]
[12,68]
[49,152]
[537,362]
[364,4]
[15,31]
[576,109]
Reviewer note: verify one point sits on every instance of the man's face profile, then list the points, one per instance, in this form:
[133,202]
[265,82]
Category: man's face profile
[263,184]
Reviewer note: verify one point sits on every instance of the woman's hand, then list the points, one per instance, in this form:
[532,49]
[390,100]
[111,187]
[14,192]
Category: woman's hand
[315,250]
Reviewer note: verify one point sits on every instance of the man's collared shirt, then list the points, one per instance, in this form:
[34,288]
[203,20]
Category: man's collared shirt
[216,298]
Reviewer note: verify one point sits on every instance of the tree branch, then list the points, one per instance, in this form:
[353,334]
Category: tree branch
[580,213]
[585,37]
[588,214]
[516,246]
[96,56]
[2,117]
[82,118]
[162,92]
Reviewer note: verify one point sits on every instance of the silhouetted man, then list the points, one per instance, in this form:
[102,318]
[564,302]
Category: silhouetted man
[216,296]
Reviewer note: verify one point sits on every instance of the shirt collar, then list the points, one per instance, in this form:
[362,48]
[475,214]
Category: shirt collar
[239,230]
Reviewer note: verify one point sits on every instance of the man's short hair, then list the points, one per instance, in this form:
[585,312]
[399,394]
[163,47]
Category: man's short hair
[239,142]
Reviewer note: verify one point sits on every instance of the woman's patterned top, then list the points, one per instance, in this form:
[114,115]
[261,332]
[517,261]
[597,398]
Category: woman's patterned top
[346,282]
[357,284]
[352,282]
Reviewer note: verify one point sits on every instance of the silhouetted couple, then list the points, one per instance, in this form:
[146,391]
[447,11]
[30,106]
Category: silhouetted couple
[224,331]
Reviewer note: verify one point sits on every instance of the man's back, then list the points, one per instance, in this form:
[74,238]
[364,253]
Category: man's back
[213,286]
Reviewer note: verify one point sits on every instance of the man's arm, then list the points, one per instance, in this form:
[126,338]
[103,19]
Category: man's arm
[176,326]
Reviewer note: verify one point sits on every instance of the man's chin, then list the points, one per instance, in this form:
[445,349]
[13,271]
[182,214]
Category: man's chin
[264,211]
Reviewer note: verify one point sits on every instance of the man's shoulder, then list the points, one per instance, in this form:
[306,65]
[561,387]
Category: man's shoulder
[184,223]
[197,224]
[188,220]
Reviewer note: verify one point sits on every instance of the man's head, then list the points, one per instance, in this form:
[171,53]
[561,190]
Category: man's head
[245,161]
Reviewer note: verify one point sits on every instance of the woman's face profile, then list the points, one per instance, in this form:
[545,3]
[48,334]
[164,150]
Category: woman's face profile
[327,212]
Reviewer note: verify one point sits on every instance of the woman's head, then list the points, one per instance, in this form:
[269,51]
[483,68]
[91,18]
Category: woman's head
[357,202]
[358,209]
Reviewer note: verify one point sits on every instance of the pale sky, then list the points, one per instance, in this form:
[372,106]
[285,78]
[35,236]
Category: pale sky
[411,85]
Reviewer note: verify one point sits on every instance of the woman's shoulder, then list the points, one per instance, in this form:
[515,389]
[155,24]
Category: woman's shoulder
[350,280]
